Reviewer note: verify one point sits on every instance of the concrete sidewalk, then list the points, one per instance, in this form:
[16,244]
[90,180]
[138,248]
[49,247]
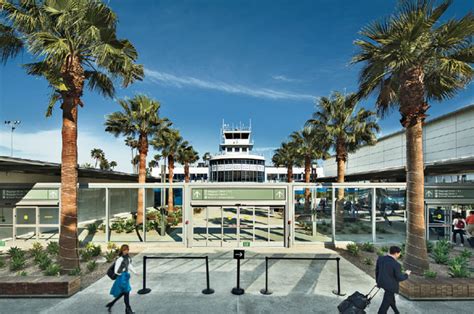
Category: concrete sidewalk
[298,287]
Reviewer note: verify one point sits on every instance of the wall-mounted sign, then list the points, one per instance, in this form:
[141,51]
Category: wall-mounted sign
[29,194]
[244,194]
[445,193]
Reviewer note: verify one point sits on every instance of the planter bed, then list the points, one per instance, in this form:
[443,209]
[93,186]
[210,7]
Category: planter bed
[35,286]
[418,288]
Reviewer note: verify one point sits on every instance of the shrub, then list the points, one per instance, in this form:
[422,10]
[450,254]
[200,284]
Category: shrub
[368,247]
[94,250]
[380,253]
[92,228]
[354,229]
[101,227]
[75,272]
[112,246]
[380,229]
[53,248]
[353,249]
[384,249]
[129,226]
[44,262]
[430,274]
[52,270]
[366,228]
[22,273]
[17,262]
[466,253]
[441,252]
[429,246]
[110,256]
[86,255]
[443,245]
[36,248]
[459,267]
[2,262]
[368,261]
[91,266]
[117,226]
[16,252]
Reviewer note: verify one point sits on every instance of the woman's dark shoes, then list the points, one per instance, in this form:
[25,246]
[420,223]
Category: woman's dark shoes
[128,310]
[109,307]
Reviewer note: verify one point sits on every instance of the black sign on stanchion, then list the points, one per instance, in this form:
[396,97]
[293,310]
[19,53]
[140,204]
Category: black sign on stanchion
[238,255]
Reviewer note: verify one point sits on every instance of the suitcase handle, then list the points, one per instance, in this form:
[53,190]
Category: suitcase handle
[368,294]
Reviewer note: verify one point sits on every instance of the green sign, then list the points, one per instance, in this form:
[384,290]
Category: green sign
[234,194]
[446,193]
[2,243]
[29,194]
[246,243]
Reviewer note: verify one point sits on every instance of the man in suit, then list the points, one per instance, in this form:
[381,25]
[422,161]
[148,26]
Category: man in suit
[388,274]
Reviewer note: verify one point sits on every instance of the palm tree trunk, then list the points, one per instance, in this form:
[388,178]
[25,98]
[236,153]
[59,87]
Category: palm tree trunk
[170,179]
[412,109]
[289,174]
[143,151]
[186,172]
[341,172]
[68,241]
[307,179]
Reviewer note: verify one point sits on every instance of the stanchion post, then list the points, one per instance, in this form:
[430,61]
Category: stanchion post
[338,291]
[208,289]
[266,291]
[144,290]
[237,290]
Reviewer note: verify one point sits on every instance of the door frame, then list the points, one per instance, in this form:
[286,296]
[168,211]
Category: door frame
[447,221]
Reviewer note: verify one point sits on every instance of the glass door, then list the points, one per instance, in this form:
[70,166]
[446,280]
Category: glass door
[246,226]
[230,220]
[438,222]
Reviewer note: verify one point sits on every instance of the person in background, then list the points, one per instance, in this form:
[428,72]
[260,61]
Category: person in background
[459,225]
[121,286]
[470,224]
[388,274]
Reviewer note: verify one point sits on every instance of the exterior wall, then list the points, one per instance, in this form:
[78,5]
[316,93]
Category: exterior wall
[444,139]
[19,177]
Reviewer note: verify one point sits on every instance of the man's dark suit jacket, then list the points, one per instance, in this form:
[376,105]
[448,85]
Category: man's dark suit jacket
[388,274]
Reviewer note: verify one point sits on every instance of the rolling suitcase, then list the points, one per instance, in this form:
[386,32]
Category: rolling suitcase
[357,302]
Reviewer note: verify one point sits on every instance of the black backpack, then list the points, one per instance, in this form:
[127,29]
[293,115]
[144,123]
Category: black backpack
[111,271]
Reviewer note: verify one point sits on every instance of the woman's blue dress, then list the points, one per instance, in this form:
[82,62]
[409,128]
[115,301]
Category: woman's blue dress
[121,285]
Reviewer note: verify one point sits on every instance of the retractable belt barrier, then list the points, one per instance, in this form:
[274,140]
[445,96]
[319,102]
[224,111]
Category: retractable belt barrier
[266,291]
[146,290]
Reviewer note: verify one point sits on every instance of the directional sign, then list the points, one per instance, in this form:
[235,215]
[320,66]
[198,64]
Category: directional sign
[239,254]
[235,194]
[449,193]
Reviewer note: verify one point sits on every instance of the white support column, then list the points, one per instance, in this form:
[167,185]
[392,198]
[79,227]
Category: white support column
[290,216]
[107,216]
[333,213]
[187,216]
[374,216]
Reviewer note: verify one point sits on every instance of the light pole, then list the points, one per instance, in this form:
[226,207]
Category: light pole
[13,125]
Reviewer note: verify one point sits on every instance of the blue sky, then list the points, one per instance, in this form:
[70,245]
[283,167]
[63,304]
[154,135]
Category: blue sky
[211,60]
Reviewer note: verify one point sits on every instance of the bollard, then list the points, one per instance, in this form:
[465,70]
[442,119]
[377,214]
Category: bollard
[266,291]
[144,290]
[208,290]
[338,291]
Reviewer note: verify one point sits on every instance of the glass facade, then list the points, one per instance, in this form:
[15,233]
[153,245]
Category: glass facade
[237,170]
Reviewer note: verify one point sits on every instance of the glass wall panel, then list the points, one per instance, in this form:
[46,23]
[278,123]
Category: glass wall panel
[26,215]
[313,220]
[354,215]
[49,233]
[162,224]
[123,205]
[91,215]
[391,216]
[49,215]
[246,224]
[199,226]
[214,226]
[261,224]
[6,223]
[26,233]
[229,224]
[276,221]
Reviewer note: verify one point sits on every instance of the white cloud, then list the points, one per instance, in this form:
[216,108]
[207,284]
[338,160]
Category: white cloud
[284,78]
[183,81]
[46,146]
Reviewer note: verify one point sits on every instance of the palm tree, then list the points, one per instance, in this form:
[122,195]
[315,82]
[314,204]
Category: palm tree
[133,144]
[286,156]
[206,157]
[169,142]
[139,118]
[73,43]
[187,155]
[97,154]
[345,129]
[408,60]
[87,166]
[135,163]
[112,164]
[310,146]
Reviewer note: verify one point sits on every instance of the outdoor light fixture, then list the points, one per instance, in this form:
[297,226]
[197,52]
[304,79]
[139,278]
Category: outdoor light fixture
[13,124]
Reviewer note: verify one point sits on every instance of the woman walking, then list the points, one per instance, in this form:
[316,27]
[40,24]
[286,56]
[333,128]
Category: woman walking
[121,286]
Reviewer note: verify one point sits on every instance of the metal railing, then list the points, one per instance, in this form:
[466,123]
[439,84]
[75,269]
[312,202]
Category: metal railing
[145,290]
